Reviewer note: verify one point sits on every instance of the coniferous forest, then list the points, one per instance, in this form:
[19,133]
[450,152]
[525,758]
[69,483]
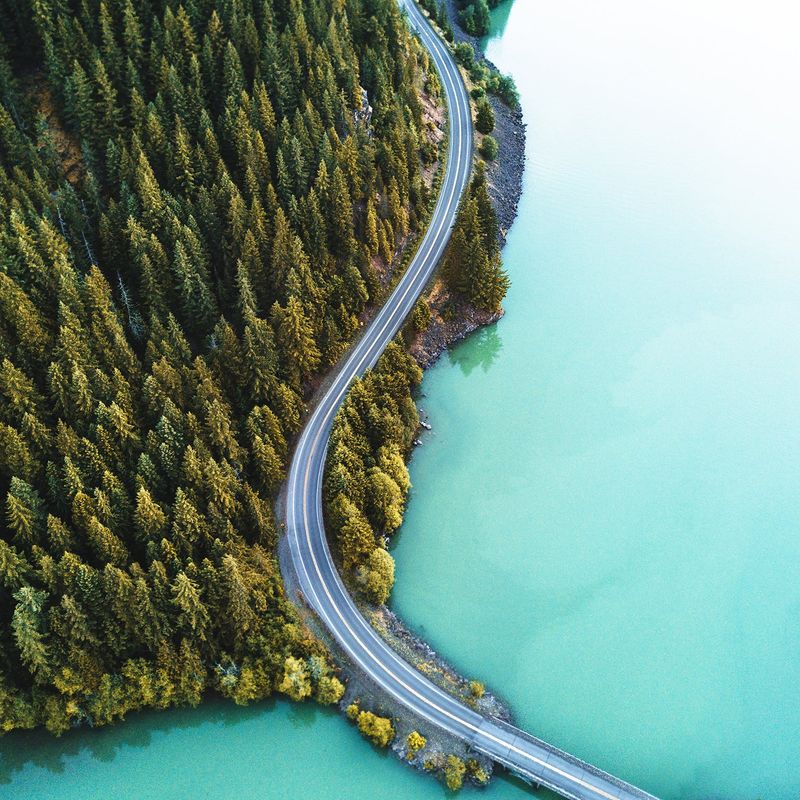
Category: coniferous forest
[198,200]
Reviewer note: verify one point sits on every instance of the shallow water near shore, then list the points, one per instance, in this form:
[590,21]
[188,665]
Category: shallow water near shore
[605,524]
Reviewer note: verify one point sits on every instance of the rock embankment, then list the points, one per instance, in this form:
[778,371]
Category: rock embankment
[452,319]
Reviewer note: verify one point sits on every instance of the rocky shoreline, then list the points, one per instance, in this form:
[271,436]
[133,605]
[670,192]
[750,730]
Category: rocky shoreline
[451,321]
[363,692]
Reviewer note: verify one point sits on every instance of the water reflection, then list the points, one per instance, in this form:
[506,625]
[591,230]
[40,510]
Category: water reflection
[481,350]
[499,21]
[40,749]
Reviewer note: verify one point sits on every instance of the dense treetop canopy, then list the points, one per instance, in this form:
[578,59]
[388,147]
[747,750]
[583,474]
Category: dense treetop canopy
[196,202]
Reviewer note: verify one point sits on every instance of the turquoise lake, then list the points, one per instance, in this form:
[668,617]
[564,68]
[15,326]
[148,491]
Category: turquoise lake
[605,523]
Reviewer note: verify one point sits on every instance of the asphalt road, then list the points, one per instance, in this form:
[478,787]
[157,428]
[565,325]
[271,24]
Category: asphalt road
[315,570]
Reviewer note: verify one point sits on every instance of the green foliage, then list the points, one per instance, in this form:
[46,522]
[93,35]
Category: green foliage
[474,18]
[484,120]
[465,54]
[472,264]
[168,293]
[489,148]
[438,13]
[366,480]
[486,78]
[474,15]
[504,87]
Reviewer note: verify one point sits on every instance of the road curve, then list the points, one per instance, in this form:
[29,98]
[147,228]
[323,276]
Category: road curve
[316,574]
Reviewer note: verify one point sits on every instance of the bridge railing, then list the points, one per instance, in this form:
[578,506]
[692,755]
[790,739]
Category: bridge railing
[627,789]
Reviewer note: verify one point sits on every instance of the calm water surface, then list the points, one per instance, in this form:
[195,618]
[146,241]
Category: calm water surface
[606,524]
[607,510]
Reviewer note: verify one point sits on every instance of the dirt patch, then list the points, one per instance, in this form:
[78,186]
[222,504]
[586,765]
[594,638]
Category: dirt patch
[434,121]
[64,143]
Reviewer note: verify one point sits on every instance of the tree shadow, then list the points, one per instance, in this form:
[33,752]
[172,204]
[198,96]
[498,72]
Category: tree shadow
[480,350]
[306,714]
[42,750]
[499,17]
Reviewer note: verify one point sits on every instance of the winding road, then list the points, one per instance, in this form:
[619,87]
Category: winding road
[315,571]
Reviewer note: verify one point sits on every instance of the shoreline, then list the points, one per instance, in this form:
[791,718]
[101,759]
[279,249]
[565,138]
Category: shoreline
[505,172]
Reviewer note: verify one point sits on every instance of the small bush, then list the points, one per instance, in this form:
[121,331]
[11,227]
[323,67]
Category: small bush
[489,148]
[465,54]
[377,577]
[484,118]
[479,72]
[504,87]
[477,772]
[329,690]
[415,742]
[421,316]
[454,773]
[379,730]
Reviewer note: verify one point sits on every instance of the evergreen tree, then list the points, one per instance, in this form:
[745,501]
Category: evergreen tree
[299,352]
[472,264]
[484,117]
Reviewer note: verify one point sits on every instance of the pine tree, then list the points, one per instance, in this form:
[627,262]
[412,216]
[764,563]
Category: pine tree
[149,519]
[371,229]
[14,568]
[24,512]
[299,353]
[242,617]
[107,106]
[26,624]
[186,596]
[484,117]
[194,252]
[341,215]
